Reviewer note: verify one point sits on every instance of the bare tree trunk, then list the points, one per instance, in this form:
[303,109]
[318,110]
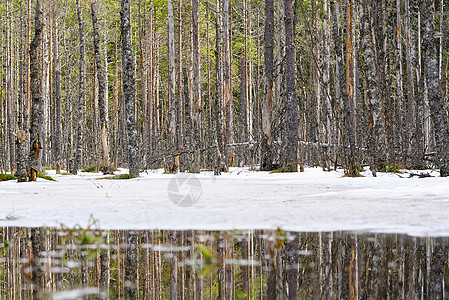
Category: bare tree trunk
[196,85]
[149,132]
[22,113]
[438,111]
[81,92]
[410,120]
[129,88]
[102,101]
[350,164]
[188,139]
[220,138]
[266,163]
[377,137]
[143,86]
[242,111]
[36,97]
[171,80]
[9,102]
[399,81]
[227,94]
[291,144]
[179,80]
[58,124]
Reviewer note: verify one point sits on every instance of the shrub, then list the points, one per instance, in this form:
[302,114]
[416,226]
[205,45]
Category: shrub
[121,176]
[6,177]
[46,177]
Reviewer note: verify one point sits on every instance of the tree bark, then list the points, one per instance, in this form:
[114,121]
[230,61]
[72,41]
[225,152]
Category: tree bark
[377,137]
[81,92]
[291,146]
[102,100]
[227,94]
[58,124]
[350,164]
[9,102]
[438,111]
[36,97]
[129,88]
[179,80]
[196,85]
[266,163]
[171,79]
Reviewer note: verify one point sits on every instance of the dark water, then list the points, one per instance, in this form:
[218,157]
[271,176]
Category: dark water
[93,264]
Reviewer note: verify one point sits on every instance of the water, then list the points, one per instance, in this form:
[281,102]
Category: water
[94,264]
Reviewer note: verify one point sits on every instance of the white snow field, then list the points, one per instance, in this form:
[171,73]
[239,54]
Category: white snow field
[242,199]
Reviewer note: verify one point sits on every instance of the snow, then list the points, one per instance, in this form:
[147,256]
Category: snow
[241,199]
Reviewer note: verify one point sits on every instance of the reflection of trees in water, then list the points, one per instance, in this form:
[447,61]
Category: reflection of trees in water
[221,265]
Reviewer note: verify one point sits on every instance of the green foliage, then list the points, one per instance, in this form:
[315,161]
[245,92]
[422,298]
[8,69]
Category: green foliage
[284,170]
[119,177]
[353,175]
[6,177]
[91,169]
[393,168]
[46,177]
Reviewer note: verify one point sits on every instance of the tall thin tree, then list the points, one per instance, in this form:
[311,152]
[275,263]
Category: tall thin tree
[102,101]
[36,96]
[438,111]
[81,92]
[266,163]
[196,84]
[129,88]
[291,105]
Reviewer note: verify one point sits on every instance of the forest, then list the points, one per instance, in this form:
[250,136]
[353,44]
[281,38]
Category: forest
[194,85]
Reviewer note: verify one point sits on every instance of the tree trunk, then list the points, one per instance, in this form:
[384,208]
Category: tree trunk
[196,85]
[81,92]
[242,112]
[220,138]
[102,101]
[143,86]
[377,137]
[36,97]
[350,164]
[9,102]
[58,124]
[227,93]
[171,80]
[22,120]
[438,111]
[410,120]
[266,163]
[291,146]
[129,88]
[179,80]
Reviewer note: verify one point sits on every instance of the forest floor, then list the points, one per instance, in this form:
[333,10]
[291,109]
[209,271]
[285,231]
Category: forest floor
[241,199]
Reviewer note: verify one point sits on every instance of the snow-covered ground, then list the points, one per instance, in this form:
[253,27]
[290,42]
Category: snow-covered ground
[310,201]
